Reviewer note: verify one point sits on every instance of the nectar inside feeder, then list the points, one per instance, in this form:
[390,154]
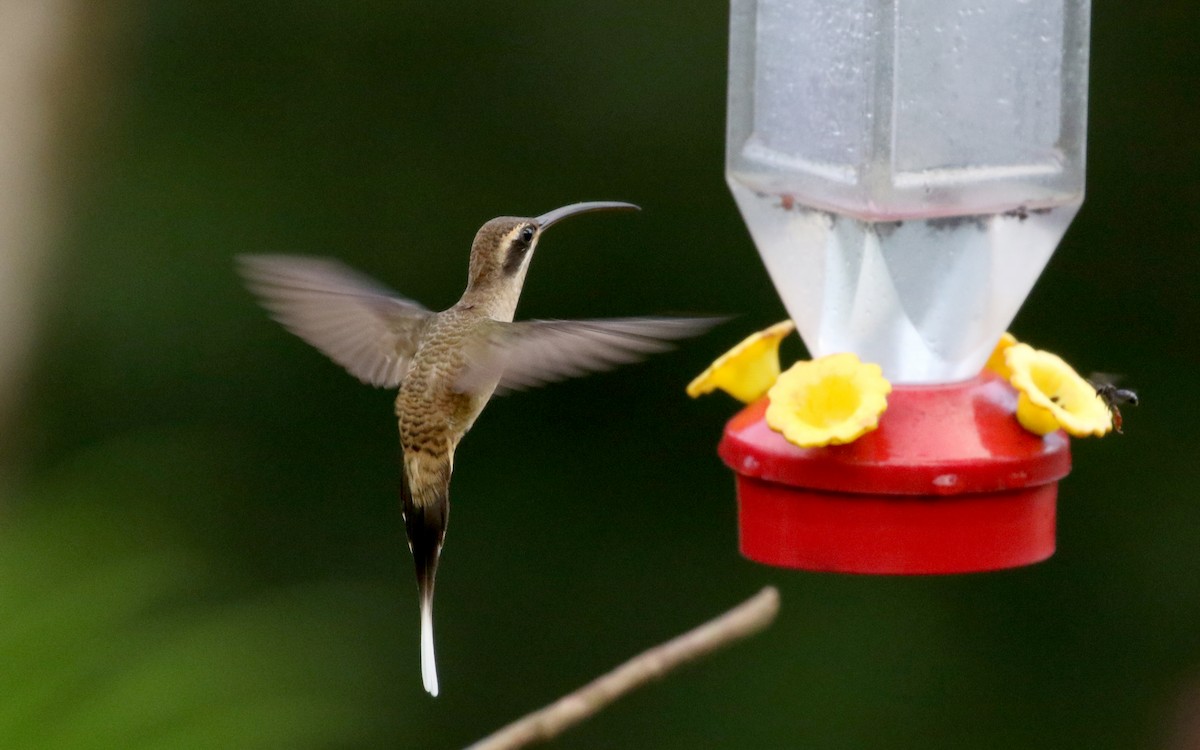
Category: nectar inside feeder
[906,168]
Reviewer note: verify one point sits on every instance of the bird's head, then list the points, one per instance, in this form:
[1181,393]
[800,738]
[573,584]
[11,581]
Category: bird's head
[504,246]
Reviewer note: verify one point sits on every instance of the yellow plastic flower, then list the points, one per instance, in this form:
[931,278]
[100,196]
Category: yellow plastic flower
[1052,395]
[747,370]
[996,361]
[828,401]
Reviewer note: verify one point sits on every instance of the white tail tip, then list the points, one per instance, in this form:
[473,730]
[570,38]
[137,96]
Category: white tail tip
[428,665]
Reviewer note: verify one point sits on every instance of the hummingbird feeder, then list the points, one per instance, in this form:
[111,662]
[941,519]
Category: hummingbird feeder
[905,168]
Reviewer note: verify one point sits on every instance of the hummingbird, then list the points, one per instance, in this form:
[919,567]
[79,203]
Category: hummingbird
[447,365]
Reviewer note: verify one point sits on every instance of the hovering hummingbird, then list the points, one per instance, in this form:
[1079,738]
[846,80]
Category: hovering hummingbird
[448,364]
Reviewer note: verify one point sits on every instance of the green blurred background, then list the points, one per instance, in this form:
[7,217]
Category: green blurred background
[200,537]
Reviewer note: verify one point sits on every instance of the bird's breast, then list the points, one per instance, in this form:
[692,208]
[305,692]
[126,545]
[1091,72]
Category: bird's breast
[433,415]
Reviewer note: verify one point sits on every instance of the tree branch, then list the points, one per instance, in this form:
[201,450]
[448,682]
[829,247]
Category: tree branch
[744,620]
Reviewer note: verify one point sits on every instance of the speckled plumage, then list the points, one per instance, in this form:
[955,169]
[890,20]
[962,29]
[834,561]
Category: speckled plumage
[433,411]
[447,365]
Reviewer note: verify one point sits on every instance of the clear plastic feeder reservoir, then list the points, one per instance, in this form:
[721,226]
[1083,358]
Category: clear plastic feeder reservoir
[906,168]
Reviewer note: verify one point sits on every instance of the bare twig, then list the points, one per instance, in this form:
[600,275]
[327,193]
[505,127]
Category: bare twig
[744,620]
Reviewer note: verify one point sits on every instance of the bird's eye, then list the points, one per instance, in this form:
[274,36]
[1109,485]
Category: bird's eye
[527,235]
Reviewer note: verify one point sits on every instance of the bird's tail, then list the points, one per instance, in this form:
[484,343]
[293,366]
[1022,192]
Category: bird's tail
[428,663]
[425,523]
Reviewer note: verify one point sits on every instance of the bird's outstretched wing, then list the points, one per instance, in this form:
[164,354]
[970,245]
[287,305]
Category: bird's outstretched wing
[355,321]
[531,353]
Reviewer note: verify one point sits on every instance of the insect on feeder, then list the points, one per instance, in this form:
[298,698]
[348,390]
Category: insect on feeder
[906,168]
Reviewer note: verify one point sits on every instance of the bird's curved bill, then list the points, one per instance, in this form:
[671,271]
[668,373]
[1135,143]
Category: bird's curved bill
[552,217]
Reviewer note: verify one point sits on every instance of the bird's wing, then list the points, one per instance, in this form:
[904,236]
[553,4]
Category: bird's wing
[355,321]
[531,353]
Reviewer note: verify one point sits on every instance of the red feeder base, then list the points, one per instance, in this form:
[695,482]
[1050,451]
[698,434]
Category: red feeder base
[949,483]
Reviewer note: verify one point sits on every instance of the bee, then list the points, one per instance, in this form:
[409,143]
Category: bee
[1113,397]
